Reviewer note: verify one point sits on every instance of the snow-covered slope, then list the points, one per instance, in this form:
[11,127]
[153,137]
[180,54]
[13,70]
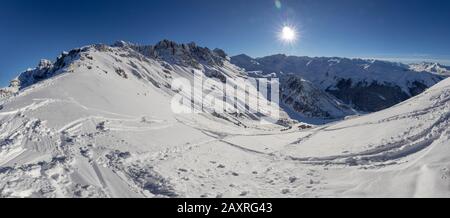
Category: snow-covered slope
[399,152]
[367,85]
[435,68]
[102,126]
[94,122]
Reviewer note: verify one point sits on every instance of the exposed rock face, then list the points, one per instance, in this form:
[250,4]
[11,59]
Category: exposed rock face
[4,93]
[371,98]
[45,69]
[303,97]
[366,85]
[182,54]
[11,90]
[221,53]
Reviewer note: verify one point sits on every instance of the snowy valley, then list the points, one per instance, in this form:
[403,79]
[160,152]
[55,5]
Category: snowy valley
[98,122]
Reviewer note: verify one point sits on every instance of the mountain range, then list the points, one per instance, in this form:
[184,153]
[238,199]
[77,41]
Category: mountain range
[364,85]
[99,122]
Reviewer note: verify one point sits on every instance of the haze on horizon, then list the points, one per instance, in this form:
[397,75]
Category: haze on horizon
[405,31]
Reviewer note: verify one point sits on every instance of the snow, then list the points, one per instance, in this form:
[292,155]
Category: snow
[434,68]
[307,101]
[92,130]
[325,72]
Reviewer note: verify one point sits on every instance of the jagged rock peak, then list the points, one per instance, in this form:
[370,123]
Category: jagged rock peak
[44,64]
[46,69]
[175,53]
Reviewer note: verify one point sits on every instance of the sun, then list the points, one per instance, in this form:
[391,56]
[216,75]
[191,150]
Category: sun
[288,34]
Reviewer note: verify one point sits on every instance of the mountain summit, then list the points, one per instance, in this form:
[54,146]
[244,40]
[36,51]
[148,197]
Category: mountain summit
[435,68]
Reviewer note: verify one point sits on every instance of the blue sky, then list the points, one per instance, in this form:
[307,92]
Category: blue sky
[405,30]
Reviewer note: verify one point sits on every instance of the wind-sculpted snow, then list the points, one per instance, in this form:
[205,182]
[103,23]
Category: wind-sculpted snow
[103,126]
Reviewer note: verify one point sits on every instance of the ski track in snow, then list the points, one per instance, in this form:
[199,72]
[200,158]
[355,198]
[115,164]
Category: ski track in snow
[382,154]
[386,152]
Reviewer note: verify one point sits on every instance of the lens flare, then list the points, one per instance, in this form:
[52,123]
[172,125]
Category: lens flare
[288,34]
[278,4]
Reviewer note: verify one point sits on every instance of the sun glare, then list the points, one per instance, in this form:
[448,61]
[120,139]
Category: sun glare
[288,34]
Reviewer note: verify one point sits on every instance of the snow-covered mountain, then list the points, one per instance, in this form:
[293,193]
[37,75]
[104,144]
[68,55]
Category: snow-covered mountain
[98,123]
[306,100]
[77,127]
[435,68]
[366,85]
